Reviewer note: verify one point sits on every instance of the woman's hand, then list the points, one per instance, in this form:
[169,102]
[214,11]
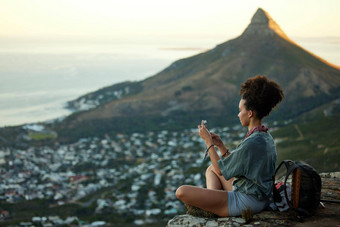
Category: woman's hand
[205,134]
[216,140]
[207,137]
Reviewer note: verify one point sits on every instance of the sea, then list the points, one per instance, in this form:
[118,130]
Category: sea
[39,77]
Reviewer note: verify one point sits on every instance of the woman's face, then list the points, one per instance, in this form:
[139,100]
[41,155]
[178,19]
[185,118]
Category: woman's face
[243,114]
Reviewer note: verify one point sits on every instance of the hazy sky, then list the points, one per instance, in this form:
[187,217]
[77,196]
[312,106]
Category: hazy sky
[152,19]
[52,51]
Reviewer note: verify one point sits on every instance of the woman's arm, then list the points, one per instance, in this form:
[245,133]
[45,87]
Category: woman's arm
[207,137]
[214,160]
[220,145]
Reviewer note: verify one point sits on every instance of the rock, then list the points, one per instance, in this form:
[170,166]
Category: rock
[328,216]
[239,220]
[330,175]
[188,220]
[262,24]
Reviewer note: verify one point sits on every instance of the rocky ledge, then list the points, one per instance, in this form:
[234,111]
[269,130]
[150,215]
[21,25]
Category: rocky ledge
[327,216]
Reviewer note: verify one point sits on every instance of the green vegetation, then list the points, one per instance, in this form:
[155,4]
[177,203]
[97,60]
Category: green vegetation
[42,135]
[313,138]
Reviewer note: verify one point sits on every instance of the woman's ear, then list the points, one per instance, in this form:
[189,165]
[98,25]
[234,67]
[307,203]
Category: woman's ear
[250,113]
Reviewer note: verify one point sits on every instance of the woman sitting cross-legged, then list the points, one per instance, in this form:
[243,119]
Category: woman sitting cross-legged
[242,178]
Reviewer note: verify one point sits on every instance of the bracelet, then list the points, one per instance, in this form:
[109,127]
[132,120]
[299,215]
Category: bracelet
[206,152]
[225,153]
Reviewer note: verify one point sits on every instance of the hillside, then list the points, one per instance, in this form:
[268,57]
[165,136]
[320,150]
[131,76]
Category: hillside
[312,137]
[206,86]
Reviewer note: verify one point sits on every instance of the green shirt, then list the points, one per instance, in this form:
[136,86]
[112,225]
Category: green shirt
[252,164]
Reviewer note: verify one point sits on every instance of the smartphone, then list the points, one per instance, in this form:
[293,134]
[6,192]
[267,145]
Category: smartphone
[205,122]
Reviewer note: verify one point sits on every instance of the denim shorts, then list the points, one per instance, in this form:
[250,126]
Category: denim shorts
[238,201]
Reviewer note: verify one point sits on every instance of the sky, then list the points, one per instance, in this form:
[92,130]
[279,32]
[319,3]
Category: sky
[150,20]
[52,51]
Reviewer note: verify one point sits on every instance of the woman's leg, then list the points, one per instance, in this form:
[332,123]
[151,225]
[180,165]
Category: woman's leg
[215,201]
[217,182]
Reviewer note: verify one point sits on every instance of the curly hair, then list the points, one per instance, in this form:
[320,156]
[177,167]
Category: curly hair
[261,95]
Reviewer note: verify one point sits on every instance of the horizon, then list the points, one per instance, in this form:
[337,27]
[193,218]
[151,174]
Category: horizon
[83,26]
[150,19]
[198,25]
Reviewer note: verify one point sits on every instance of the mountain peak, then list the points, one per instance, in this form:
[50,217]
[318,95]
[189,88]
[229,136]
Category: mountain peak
[261,17]
[263,24]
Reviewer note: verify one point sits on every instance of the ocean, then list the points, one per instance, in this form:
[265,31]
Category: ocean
[38,78]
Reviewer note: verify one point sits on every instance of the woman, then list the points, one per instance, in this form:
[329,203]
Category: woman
[242,178]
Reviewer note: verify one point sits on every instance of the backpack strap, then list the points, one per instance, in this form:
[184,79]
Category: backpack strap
[288,163]
[290,167]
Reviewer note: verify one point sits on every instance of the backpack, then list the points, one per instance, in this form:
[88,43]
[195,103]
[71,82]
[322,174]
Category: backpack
[305,188]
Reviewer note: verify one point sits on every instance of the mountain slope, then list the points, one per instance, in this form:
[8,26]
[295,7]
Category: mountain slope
[312,137]
[206,85]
